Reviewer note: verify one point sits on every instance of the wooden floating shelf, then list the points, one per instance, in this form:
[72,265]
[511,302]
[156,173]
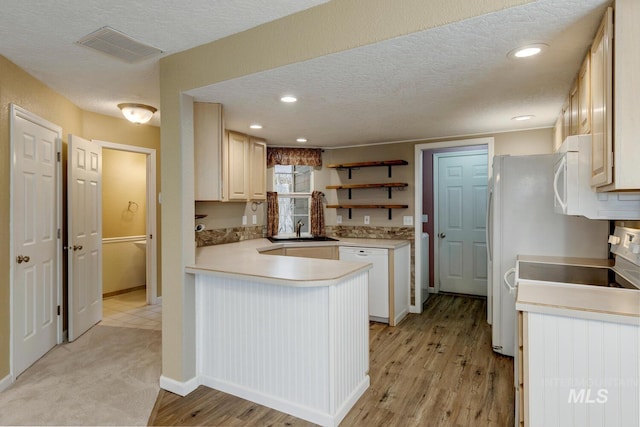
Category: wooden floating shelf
[358,165]
[368,207]
[349,187]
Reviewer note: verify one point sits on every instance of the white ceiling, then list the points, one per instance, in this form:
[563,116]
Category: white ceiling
[452,80]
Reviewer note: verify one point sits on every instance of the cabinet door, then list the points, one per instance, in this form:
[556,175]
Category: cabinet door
[601,114]
[258,172]
[557,134]
[566,118]
[575,108]
[207,147]
[238,166]
[584,97]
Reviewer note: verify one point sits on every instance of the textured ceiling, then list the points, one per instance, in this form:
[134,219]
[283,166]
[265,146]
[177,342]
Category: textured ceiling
[451,80]
[40,36]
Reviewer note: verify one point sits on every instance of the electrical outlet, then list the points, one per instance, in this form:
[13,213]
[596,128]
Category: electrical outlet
[366,219]
[407,220]
[244,220]
[254,219]
[338,219]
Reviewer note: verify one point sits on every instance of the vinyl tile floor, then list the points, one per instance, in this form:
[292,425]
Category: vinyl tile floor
[130,310]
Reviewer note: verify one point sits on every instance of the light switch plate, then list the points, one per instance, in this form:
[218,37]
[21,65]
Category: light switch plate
[244,220]
[338,219]
[366,219]
[407,220]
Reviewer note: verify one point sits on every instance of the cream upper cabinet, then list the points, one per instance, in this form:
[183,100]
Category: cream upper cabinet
[574,108]
[207,134]
[584,97]
[558,134]
[601,103]
[258,172]
[566,118]
[616,130]
[229,166]
[237,166]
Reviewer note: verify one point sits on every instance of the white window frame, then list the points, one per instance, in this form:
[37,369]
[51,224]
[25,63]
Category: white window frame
[297,195]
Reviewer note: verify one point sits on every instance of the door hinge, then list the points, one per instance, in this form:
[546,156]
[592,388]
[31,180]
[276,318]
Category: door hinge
[58,310]
[59,156]
[59,233]
[150,236]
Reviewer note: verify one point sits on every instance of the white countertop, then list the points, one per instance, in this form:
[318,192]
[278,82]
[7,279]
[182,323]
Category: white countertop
[245,260]
[584,301]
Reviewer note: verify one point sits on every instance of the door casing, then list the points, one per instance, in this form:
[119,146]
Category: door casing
[151,226]
[418,174]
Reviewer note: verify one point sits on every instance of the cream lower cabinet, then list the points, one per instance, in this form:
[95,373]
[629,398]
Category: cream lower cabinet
[574,371]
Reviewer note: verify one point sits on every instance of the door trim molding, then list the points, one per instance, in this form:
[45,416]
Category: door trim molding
[19,112]
[151,220]
[418,172]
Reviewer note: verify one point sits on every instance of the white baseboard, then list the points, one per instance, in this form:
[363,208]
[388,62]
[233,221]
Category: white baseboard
[307,413]
[6,382]
[177,387]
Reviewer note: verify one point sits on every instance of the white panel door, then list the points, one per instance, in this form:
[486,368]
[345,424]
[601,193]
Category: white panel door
[84,235]
[462,210]
[36,251]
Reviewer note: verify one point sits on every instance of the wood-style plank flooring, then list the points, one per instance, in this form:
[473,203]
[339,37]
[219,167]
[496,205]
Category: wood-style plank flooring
[434,369]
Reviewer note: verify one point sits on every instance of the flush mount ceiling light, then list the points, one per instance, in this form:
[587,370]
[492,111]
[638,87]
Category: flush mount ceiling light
[301,139]
[137,113]
[524,117]
[255,126]
[527,51]
[288,98]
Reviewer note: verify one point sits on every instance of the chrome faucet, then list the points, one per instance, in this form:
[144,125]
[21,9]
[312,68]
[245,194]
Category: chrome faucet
[299,225]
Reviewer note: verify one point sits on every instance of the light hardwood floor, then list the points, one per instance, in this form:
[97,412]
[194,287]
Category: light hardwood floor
[434,369]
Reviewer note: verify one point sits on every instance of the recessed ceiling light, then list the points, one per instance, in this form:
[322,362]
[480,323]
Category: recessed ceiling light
[527,51]
[301,139]
[256,126]
[524,117]
[288,98]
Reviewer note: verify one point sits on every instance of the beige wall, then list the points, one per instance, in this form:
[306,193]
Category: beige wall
[123,266]
[124,180]
[329,28]
[17,86]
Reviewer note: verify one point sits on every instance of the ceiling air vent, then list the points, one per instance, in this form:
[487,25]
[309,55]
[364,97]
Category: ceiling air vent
[114,43]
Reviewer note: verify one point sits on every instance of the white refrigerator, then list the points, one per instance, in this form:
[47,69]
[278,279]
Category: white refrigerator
[521,221]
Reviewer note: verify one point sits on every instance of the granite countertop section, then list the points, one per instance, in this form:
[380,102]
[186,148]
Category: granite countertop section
[582,301]
[244,260]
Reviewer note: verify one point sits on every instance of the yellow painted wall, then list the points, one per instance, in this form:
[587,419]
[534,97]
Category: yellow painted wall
[124,180]
[124,210]
[17,86]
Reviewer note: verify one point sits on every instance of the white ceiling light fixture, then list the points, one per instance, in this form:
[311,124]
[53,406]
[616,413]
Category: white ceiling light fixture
[255,126]
[301,140]
[288,99]
[527,51]
[523,117]
[137,113]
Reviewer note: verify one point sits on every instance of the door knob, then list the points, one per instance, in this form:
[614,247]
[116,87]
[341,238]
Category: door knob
[442,235]
[22,258]
[77,247]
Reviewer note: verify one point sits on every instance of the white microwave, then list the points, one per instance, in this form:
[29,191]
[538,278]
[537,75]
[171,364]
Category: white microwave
[573,192]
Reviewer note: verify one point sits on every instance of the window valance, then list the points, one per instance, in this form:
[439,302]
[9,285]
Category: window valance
[294,156]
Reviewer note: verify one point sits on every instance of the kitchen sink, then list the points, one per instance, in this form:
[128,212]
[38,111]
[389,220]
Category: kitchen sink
[302,239]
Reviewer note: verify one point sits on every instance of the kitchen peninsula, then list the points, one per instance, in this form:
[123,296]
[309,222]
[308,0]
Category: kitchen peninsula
[290,333]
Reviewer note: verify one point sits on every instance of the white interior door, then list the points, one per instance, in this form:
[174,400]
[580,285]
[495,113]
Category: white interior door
[35,219]
[462,210]
[84,234]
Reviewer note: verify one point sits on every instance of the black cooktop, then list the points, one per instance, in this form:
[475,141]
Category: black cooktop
[572,274]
